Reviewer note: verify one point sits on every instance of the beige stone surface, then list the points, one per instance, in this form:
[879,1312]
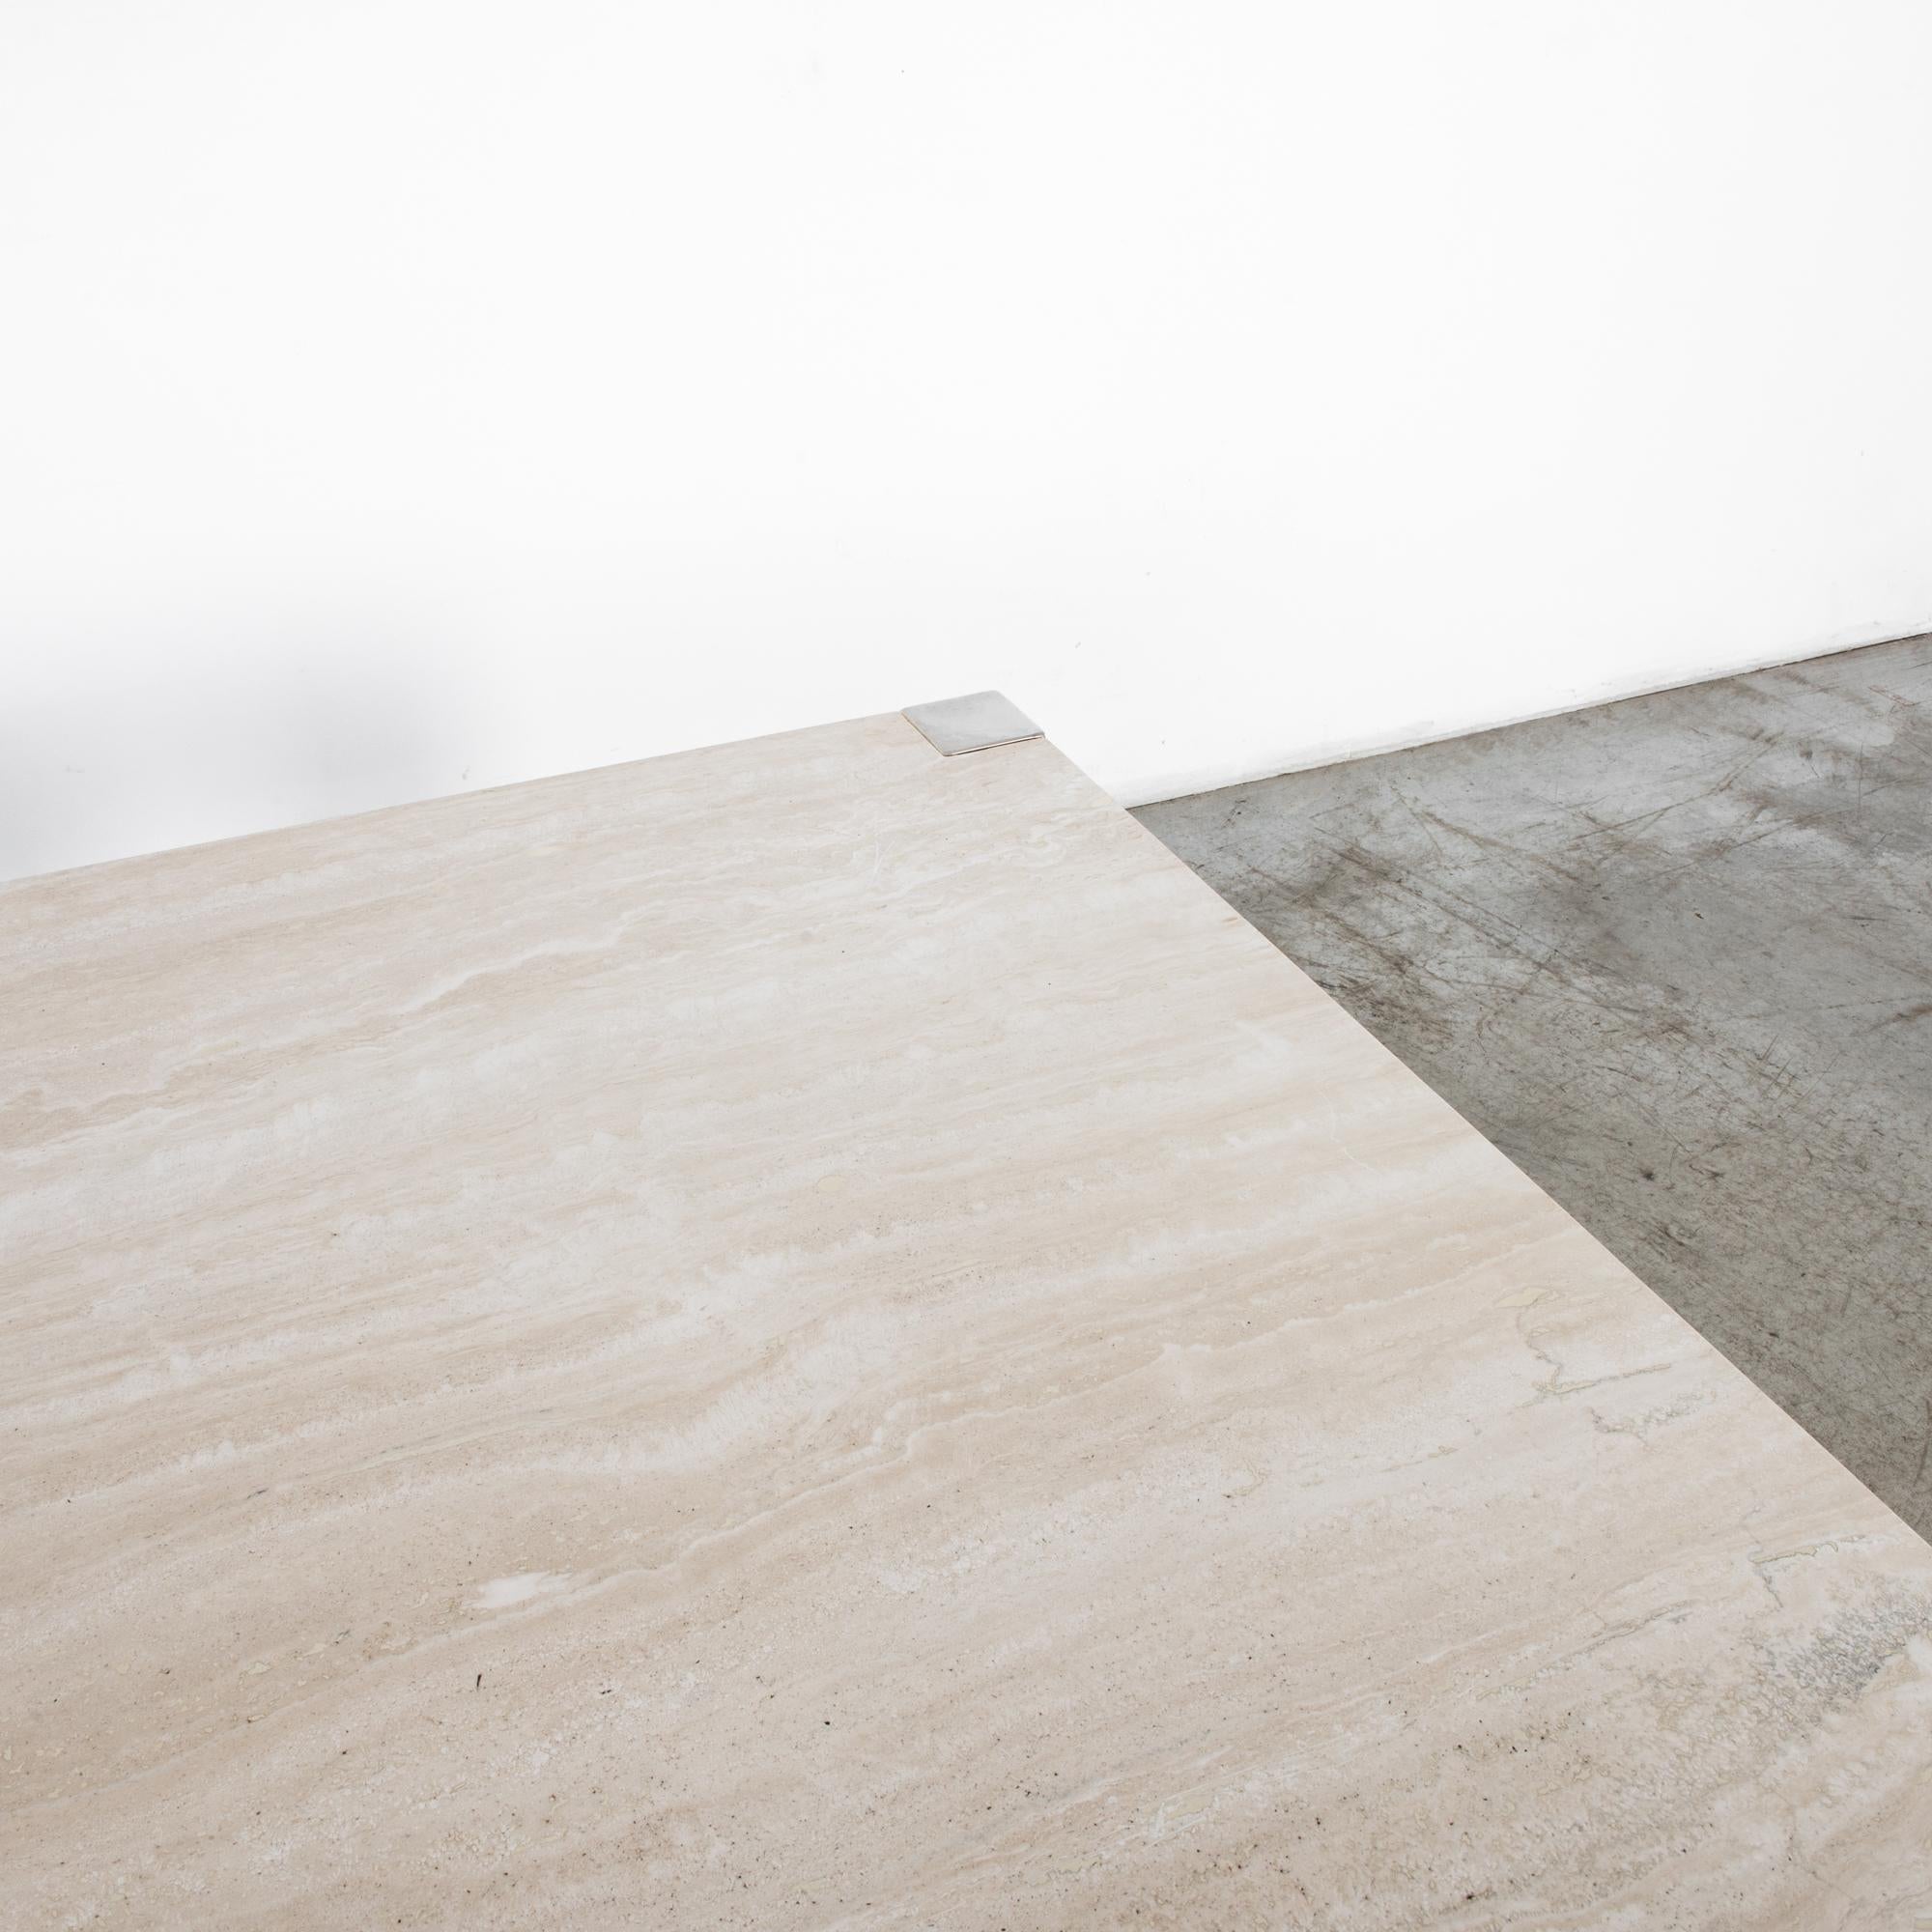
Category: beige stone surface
[811,1334]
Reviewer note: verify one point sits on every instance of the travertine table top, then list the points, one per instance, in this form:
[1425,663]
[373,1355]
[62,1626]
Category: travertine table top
[815,1334]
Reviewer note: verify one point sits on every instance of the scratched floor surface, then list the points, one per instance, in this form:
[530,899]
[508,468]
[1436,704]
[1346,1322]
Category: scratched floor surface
[1674,957]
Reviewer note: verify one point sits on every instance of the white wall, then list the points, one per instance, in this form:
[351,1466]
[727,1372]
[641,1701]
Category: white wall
[429,393]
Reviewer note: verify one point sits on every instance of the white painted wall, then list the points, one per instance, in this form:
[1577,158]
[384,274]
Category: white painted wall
[429,393]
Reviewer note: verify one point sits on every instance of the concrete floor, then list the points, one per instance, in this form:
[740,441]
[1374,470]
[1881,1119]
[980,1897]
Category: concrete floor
[1674,957]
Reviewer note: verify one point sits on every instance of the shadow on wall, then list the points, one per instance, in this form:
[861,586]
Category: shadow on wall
[212,749]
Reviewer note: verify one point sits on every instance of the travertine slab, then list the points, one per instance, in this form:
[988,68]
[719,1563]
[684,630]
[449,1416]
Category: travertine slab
[813,1333]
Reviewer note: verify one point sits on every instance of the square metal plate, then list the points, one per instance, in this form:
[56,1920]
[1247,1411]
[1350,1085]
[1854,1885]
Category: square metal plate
[974,722]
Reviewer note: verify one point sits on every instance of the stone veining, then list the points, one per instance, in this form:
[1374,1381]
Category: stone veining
[812,1334]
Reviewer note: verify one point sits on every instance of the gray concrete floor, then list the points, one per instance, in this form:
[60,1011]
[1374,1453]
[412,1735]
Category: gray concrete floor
[1674,957]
